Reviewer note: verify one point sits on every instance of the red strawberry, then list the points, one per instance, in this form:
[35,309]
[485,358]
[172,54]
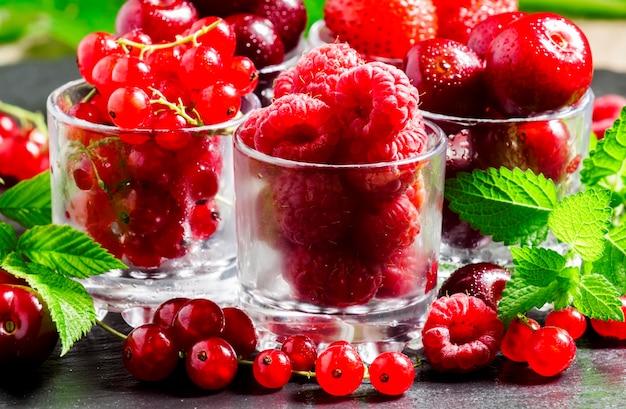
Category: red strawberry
[381,28]
[461,334]
[457,17]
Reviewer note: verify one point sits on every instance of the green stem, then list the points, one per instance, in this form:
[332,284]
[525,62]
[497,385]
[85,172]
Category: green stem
[25,117]
[609,9]
[111,330]
[308,374]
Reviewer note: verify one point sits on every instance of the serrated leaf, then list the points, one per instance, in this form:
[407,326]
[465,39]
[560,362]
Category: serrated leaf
[63,248]
[71,307]
[598,298]
[29,202]
[537,266]
[606,164]
[612,264]
[8,239]
[519,297]
[512,206]
[582,220]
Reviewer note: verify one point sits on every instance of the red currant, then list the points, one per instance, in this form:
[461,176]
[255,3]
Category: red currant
[239,331]
[204,219]
[200,67]
[339,370]
[513,345]
[93,47]
[166,312]
[610,328]
[301,350]
[392,373]
[550,351]
[211,363]
[221,36]
[272,368]
[150,353]
[197,319]
[217,103]
[570,319]
[129,107]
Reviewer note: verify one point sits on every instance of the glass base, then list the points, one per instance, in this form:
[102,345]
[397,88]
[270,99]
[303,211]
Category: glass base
[136,293]
[395,328]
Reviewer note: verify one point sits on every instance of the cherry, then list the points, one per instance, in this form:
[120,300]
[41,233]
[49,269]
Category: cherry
[570,319]
[197,319]
[606,109]
[301,350]
[150,353]
[239,331]
[392,373]
[257,39]
[486,30]
[223,8]
[211,363]
[271,368]
[8,278]
[515,340]
[550,351]
[27,333]
[339,370]
[483,280]
[288,16]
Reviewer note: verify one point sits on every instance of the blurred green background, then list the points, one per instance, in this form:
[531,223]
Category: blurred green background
[46,28]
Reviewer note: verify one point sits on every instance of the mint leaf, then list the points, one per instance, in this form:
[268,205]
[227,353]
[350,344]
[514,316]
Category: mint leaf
[8,239]
[71,307]
[612,264]
[606,165]
[512,206]
[582,220]
[598,298]
[29,202]
[536,265]
[71,252]
[519,297]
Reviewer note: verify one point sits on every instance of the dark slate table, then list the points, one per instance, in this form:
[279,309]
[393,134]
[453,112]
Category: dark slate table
[92,375]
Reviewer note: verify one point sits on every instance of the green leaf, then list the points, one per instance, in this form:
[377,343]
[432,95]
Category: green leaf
[71,252]
[29,202]
[512,206]
[536,265]
[8,239]
[612,264]
[598,298]
[582,220]
[71,307]
[519,297]
[606,165]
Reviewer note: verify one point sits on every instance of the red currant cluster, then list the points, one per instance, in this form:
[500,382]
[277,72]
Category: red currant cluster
[23,144]
[214,341]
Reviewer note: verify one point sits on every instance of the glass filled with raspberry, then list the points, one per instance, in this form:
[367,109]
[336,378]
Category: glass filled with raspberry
[141,160]
[339,188]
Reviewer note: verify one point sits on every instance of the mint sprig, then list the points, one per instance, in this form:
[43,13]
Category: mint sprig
[51,257]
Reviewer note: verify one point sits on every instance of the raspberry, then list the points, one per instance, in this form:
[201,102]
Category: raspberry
[328,275]
[317,72]
[247,130]
[298,127]
[461,334]
[386,227]
[311,207]
[402,273]
[376,100]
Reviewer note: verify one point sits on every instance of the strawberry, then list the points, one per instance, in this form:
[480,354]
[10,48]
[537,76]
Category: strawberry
[390,29]
[457,17]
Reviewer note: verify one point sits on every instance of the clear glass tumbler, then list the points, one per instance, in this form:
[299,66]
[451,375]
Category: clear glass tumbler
[552,143]
[339,252]
[166,211]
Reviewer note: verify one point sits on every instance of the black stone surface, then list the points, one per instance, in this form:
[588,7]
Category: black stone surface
[92,375]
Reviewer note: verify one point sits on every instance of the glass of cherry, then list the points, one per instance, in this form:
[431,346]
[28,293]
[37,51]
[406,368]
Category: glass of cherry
[161,200]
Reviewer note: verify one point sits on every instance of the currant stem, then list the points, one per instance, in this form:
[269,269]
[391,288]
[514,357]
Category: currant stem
[110,330]
[178,108]
[308,374]
[25,117]
[193,37]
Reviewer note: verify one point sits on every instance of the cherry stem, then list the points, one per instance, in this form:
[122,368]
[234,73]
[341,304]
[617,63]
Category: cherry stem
[111,330]
[193,37]
[25,117]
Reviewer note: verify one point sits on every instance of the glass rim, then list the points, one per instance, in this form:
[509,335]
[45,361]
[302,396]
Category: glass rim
[436,147]
[58,114]
[584,102]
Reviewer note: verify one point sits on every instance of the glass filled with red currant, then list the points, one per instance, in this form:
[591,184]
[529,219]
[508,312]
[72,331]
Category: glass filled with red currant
[339,217]
[147,172]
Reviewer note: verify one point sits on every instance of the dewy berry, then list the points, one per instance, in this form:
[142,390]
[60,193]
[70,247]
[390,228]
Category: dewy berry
[392,373]
[570,319]
[211,363]
[271,368]
[339,370]
[301,350]
[550,351]
[515,340]
[150,353]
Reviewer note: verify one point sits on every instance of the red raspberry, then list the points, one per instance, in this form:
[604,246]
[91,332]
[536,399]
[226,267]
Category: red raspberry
[298,127]
[461,334]
[376,100]
[247,130]
[403,273]
[330,276]
[317,72]
[311,207]
[386,227]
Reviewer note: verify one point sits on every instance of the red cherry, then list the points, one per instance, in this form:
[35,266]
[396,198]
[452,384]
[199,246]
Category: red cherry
[513,345]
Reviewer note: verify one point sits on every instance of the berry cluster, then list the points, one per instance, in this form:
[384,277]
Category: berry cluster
[148,187]
[355,228]
[214,341]
[23,144]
